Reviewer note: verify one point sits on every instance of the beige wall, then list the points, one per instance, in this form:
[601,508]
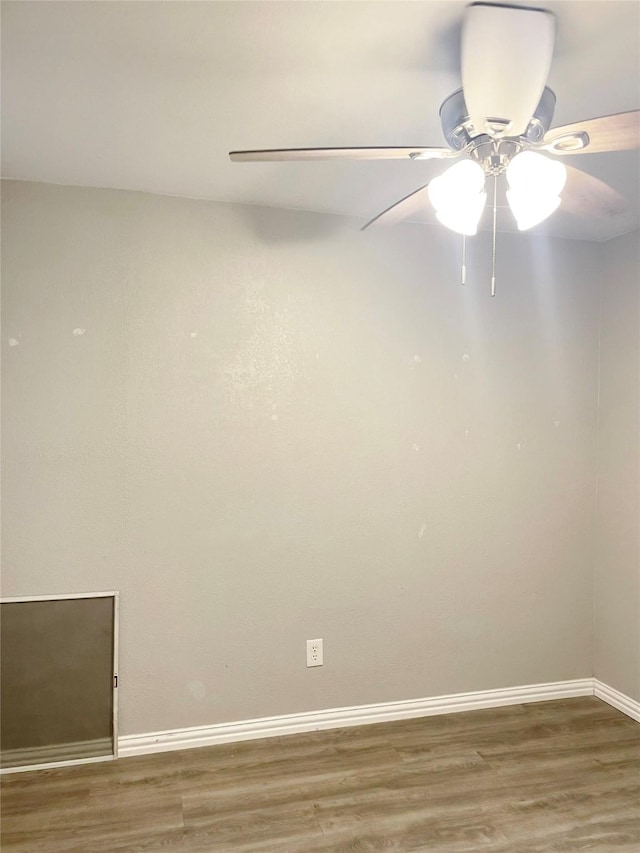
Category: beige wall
[617,589]
[264,426]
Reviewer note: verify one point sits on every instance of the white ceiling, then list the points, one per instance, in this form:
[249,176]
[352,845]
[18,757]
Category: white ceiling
[152,95]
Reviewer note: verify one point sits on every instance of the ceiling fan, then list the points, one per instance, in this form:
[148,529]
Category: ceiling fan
[498,124]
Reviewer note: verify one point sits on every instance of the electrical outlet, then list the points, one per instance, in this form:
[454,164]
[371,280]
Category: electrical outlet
[314,653]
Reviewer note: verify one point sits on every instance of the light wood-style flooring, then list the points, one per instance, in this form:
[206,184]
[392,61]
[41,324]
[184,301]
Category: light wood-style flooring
[535,778]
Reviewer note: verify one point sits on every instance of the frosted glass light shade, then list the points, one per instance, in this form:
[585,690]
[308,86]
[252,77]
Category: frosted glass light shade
[531,171]
[535,184]
[464,216]
[458,197]
[462,180]
[529,209]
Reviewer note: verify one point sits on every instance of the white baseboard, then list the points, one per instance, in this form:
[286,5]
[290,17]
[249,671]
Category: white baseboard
[618,700]
[335,718]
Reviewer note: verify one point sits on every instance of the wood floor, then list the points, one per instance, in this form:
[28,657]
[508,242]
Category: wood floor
[537,778]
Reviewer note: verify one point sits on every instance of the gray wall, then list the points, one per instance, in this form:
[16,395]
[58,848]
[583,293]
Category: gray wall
[264,426]
[617,589]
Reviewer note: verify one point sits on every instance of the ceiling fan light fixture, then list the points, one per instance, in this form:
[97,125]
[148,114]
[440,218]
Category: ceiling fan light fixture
[458,197]
[464,179]
[535,184]
[532,172]
[530,210]
[464,218]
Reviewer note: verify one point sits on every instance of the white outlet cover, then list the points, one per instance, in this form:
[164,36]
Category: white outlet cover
[314,652]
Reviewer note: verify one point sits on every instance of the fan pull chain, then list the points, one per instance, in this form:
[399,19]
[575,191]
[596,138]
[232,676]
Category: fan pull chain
[464,259]
[495,219]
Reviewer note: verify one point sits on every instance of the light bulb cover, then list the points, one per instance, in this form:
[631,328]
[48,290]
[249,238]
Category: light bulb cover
[535,183]
[532,172]
[530,209]
[463,180]
[464,215]
[458,197]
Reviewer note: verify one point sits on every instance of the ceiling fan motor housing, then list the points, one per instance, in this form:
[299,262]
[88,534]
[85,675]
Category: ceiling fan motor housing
[506,53]
[459,131]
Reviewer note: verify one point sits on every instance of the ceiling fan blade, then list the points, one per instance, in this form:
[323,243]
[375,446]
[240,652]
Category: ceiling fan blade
[417,201]
[506,57]
[618,132]
[375,153]
[584,195]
